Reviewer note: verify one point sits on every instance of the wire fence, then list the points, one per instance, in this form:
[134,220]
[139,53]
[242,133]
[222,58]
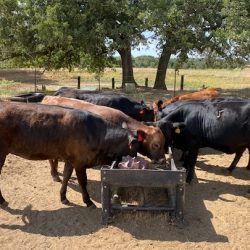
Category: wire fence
[15,81]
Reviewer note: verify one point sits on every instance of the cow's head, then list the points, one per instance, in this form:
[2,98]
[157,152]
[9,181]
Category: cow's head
[169,129]
[132,142]
[152,143]
[145,113]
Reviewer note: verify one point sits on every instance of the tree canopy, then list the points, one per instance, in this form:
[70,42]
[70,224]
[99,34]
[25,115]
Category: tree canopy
[83,33]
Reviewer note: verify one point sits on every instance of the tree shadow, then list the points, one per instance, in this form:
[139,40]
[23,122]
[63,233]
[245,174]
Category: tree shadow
[239,172]
[197,226]
[77,220]
[26,76]
[94,188]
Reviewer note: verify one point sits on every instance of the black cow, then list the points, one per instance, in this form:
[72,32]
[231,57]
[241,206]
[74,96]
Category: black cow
[223,125]
[80,138]
[136,110]
[170,108]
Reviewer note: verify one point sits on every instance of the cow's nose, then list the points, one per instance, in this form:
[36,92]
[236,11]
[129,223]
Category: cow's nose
[160,161]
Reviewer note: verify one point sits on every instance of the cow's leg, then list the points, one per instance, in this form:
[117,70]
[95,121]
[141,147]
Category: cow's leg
[248,165]
[190,162]
[183,156]
[235,160]
[82,180]
[3,202]
[54,170]
[67,172]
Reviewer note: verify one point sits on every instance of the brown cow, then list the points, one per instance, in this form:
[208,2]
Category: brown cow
[199,95]
[152,138]
[80,138]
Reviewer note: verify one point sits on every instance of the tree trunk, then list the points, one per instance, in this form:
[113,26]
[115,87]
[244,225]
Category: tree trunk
[162,69]
[127,66]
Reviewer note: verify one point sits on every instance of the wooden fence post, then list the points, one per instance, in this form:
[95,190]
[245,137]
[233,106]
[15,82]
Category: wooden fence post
[146,82]
[182,83]
[113,83]
[78,82]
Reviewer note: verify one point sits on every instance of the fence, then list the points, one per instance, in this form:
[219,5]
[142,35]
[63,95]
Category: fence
[15,81]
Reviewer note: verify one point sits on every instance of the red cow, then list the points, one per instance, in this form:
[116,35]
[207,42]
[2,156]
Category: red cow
[199,95]
[151,138]
[80,138]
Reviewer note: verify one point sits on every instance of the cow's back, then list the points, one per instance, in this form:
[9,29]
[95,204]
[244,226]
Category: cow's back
[223,125]
[110,99]
[36,131]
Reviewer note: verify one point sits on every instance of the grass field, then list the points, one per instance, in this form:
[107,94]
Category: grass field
[15,81]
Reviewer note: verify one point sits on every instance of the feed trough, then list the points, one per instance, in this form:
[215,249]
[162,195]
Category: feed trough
[173,179]
[30,97]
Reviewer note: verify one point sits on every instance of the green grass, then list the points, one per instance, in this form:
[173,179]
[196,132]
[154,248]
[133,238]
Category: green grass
[16,81]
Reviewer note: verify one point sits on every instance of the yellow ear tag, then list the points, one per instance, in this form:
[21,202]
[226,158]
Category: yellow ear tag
[177,131]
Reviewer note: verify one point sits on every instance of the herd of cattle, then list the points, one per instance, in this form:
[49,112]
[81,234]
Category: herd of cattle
[90,128]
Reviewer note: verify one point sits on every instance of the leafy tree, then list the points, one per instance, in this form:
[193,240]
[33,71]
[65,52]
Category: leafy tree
[50,34]
[122,27]
[61,33]
[215,28]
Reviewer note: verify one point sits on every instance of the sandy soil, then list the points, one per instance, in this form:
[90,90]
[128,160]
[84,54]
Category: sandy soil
[216,211]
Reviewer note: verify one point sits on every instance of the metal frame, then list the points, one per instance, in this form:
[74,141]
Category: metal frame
[173,180]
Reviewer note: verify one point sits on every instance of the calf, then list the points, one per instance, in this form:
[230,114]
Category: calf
[151,139]
[199,95]
[138,111]
[223,125]
[81,139]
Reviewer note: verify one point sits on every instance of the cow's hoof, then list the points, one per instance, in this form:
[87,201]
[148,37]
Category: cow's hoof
[91,206]
[65,202]
[4,204]
[56,179]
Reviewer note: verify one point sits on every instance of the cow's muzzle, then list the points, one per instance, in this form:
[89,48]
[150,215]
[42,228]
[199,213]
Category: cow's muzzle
[160,161]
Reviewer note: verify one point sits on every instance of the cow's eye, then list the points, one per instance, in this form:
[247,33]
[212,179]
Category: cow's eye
[155,146]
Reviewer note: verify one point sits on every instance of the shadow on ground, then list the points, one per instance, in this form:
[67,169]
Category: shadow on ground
[78,220]
[25,76]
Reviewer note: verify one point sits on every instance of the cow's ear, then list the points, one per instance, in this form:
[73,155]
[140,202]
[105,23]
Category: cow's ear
[142,102]
[178,127]
[141,135]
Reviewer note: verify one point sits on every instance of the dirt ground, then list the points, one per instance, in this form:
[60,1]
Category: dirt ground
[216,209]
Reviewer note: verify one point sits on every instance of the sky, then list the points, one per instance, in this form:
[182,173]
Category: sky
[149,50]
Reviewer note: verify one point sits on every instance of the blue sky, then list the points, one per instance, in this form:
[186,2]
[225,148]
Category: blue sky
[149,50]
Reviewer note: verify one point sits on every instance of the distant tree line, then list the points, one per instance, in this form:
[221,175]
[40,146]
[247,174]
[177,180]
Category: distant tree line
[191,63]
[87,33]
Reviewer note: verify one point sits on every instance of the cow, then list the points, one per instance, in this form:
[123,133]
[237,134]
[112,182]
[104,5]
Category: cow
[170,108]
[136,110]
[158,106]
[151,139]
[80,138]
[222,125]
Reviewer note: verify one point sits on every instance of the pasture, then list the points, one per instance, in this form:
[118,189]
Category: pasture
[217,204]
